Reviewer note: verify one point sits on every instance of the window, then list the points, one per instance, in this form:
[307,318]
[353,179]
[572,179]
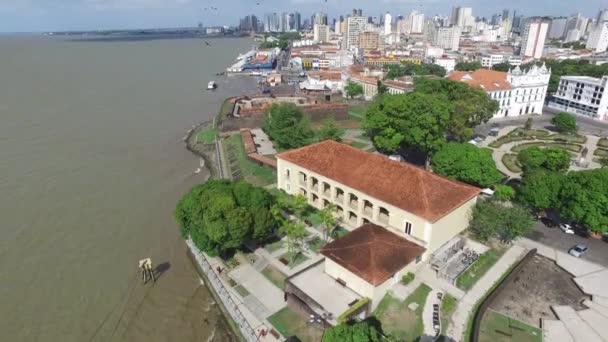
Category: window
[287,173]
[408,228]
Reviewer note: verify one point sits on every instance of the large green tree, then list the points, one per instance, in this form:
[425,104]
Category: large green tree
[467,66]
[295,232]
[330,131]
[494,219]
[415,120]
[467,163]
[355,332]
[565,122]
[470,106]
[584,199]
[286,126]
[220,215]
[411,69]
[551,159]
[353,89]
[540,189]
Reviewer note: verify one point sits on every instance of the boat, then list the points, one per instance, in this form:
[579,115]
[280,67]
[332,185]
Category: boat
[211,85]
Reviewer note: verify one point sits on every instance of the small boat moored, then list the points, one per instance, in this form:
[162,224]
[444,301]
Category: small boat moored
[211,85]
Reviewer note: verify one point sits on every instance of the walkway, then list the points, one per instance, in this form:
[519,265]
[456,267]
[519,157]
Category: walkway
[268,298]
[465,307]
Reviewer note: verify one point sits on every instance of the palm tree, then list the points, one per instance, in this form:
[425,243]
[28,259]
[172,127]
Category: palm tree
[295,233]
[328,219]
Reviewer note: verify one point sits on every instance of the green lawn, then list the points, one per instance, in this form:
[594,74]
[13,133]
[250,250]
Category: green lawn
[497,327]
[300,258]
[251,171]
[603,143]
[275,276]
[289,323]
[468,278]
[225,109]
[242,291]
[601,152]
[398,320]
[577,139]
[359,144]
[206,136]
[511,163]
[357,112]
[566,146]
[448,306]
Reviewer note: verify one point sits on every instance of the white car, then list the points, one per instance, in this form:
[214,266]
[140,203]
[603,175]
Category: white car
[578,251]
[566,228]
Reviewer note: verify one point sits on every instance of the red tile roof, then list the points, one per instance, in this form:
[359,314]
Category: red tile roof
[402,185]
[488,80]
[372,253]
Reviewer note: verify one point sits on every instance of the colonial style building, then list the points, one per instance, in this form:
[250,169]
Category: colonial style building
[517,92]
[403,212]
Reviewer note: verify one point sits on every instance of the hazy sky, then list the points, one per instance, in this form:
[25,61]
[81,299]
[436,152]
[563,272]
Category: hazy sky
[47,15]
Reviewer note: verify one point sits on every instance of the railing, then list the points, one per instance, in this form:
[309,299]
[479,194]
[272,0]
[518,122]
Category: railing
[231,307]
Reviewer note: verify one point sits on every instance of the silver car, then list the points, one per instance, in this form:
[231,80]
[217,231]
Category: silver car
[578,251]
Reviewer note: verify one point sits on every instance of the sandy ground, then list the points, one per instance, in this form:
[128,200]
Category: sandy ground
[540,284]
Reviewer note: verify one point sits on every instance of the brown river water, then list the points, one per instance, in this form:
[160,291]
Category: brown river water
[91,166]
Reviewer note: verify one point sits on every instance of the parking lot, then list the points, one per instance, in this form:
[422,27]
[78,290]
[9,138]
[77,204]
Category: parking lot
[554,237]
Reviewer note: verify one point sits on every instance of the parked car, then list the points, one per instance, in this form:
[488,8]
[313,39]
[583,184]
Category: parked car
[578,251]
[548,222]
[566,228]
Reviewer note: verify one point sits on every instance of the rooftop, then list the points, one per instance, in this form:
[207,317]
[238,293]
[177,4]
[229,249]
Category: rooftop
[402,185]
[488,80]
[372,253]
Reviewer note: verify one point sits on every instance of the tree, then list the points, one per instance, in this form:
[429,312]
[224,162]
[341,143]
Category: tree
[550,159]
[299,204]
[382,88]
[504,67]
[356,332]
[220,216]
[353,89]
[467,66]
[286,126]
[295,233]
[330,131]
[504,193]
[494,219]
[565,122]
[583,198]
[540,189]
[415,120]
[411,69]
[328,219]
[467,163]
[469,106]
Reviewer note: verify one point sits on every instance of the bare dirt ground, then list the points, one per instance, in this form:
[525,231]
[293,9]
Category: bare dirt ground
[538,286]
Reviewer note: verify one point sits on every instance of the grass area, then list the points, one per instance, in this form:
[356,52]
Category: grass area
[251,171]
[242,291]
[505,140]
[316,244]
[206,136]
[300,258]
[273,247]
[359,144]
[601,152]
[357,112]
[448,306]
[511,163]
[289,323]
[398,320]
[275,276]
[565,146]
[603,143]
[530,133]
[497,327]
[575,139]
[225,109]
[468,278]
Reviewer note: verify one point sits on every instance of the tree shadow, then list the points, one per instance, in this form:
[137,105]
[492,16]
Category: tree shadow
[161,269]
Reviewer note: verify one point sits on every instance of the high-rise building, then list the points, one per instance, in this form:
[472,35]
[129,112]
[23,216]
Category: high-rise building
[519,22]
[319,18]
[533,37]
[338,27]
[272,22]
[447,37]
[463,18]
[416,21]
[321,33]
[249,24]
[388,23]
[598,38]
[557,29]
[602,15]
[297,21]
[505,14]
[354,26]
[369,40]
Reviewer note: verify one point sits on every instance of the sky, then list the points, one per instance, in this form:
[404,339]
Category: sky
[61,15]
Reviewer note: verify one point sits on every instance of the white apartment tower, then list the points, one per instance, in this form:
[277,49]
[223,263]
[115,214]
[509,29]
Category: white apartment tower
[447,38]
[582,95]
[534,36]
[388,23]
[598,38]
[354,26]
[416,20]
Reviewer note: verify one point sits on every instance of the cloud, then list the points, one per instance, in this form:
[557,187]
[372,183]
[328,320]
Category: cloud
[122,5]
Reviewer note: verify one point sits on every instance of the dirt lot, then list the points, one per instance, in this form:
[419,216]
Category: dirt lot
[540,284]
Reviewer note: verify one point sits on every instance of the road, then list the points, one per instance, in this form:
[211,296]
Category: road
[555,238]
[586,125]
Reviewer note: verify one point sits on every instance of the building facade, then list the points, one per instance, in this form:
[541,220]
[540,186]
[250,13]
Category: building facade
[321,33]
[533,40]
[582,95]
[354,27]
[488,60]
[517,92]
[598,38]
[447,38]
[369,40]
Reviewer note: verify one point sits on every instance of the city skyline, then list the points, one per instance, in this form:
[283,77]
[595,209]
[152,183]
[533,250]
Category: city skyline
[59,15]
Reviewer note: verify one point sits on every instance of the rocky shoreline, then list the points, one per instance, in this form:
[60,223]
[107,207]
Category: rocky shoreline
[206,152]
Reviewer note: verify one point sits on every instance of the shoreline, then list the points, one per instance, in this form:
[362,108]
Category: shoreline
[206,152]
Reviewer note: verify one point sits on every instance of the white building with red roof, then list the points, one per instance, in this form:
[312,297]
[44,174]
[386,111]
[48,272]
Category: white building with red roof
[517,92]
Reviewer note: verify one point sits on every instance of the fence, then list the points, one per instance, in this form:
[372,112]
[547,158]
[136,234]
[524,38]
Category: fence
[231,307]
